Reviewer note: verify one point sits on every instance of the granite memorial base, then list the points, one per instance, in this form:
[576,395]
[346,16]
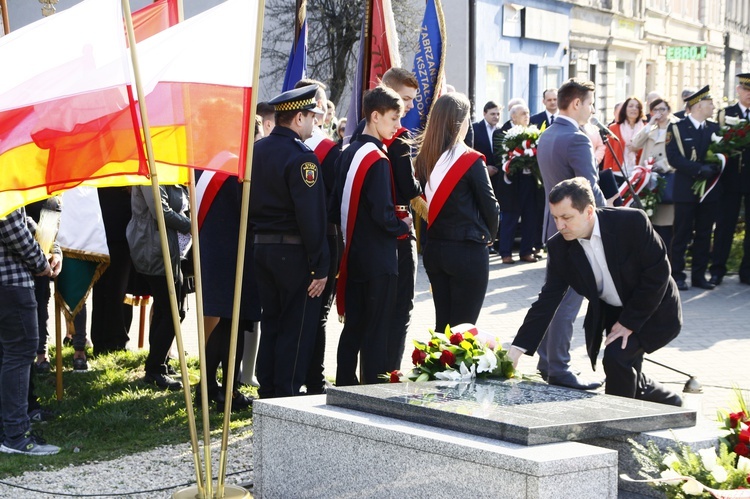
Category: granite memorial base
[306,448]
[487,438]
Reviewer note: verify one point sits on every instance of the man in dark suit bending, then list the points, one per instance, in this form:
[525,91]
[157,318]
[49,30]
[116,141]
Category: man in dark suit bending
[613,257]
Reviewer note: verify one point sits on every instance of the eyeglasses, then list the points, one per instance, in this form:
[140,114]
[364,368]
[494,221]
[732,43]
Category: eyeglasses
[661,109]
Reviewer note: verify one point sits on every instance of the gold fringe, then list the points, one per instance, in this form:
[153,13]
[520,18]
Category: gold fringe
[419,205]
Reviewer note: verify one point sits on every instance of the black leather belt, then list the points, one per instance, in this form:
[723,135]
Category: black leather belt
[278,239]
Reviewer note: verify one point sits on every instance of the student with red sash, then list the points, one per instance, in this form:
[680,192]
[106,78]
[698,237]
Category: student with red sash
[463,214]
[406,188]
[366,291]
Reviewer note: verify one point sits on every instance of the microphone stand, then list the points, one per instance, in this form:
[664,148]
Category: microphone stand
[636,200]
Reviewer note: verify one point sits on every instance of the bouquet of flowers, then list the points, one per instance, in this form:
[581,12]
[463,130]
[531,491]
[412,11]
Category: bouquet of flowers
[516,151]
[649,186]
[682,472]
[732,138]
[456,356]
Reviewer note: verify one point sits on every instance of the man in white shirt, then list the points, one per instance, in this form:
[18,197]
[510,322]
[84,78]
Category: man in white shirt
[613,257]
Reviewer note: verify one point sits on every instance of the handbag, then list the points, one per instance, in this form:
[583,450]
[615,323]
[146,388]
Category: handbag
[667,194]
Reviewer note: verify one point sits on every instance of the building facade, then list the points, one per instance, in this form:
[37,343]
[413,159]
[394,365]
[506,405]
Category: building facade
[626,47]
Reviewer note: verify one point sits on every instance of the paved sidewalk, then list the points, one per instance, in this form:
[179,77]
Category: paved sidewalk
[713,345]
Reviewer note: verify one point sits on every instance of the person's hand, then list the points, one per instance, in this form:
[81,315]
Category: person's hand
[706,172]
[492,170]
[316,287]
[47,272]
[618,331]
[514,353]
[55,263]
[409,221]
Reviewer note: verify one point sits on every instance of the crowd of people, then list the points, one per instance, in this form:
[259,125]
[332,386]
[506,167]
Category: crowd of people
[335,218]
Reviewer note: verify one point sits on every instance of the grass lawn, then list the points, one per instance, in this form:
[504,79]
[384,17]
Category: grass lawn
[109,412]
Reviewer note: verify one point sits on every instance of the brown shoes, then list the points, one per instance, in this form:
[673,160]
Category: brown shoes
[508,259]
[527,258]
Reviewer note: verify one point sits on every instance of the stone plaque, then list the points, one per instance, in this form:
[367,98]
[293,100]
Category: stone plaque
[521,412]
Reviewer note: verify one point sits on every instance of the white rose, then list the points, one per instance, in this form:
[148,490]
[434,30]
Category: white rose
[692,487]
[669,474]
[719,474]
[708,456]
[487,362]
[716,139]
[670,460]
[743,464]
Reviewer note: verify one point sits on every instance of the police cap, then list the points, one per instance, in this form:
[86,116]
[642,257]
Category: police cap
[744,80]
[298,99]
[702,94]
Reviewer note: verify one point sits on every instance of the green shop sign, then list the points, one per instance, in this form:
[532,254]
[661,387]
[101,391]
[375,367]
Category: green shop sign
[686,53]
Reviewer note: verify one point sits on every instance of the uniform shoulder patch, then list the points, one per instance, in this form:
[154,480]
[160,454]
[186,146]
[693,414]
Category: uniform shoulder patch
[302,145]
[669,136]
[309,173]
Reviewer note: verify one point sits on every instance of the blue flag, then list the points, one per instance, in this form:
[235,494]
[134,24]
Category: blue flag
[296,68]
[428,65]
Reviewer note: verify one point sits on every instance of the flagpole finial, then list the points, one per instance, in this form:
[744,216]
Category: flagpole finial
[48,7]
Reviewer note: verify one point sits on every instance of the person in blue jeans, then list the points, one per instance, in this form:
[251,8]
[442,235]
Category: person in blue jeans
[21,258]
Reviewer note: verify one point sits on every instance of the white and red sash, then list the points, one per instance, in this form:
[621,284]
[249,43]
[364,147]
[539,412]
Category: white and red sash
[445,176]
[640,176]
[364,158]
[209,184]
[399,133]
[320,144]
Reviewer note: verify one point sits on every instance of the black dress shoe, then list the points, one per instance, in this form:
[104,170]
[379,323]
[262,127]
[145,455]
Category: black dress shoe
[682,285]
[704,284]
[570,380]
[716,280]
[162,381]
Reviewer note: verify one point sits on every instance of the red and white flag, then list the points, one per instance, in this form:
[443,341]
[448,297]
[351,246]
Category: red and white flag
[198,77]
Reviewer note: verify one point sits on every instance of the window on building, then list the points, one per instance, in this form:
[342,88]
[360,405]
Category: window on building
[497,85]
[623,88]
[552,77]
[687,9]
[657,5]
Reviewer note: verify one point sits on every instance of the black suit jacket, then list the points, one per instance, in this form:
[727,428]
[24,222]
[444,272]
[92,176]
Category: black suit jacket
[539,119]
[482,141]
[693,140]
[637,261]
[736,177]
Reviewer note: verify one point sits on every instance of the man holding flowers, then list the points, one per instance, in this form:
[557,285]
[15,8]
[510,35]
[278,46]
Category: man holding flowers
[735,182]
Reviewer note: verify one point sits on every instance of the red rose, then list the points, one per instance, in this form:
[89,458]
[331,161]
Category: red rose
[456,338]
[741,133]
[395,376]
[418,356]
[447,358]
[745,436]
[741,450]
[736,417]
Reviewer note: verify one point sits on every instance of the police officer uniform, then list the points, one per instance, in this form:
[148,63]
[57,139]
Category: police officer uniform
[687,145]
[288,216]
[735,182]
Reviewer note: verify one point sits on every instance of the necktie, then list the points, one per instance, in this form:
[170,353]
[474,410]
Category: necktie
[552,118]
[747,114]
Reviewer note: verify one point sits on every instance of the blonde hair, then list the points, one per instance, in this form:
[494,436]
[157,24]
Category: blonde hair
[441,132]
